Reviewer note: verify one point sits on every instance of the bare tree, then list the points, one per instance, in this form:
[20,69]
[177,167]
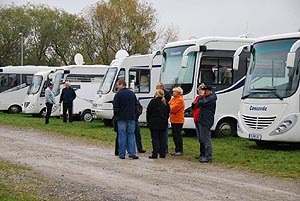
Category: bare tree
[165,35]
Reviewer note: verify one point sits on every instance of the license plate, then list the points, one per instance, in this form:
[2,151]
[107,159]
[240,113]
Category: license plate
[254,136]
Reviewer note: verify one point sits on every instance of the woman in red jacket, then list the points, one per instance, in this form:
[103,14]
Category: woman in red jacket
[196,110]
[177,119]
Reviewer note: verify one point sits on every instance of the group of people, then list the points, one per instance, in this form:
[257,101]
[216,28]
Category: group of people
[159,110]
[67,97]
[127,110]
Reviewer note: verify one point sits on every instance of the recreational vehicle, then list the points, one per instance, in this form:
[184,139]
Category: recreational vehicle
[85,79]
[139,76]
[207,60]
[269,109]
[14,83]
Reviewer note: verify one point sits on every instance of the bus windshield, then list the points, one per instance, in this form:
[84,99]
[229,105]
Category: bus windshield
[268,76]
[172,74]
[57,81]
[35,84]
[108,80]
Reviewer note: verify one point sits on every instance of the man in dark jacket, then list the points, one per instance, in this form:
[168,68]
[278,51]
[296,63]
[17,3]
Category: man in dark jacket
[124,104]
[67,97]
[207,105]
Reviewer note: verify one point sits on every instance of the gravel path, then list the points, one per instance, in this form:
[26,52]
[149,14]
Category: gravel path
[95,171]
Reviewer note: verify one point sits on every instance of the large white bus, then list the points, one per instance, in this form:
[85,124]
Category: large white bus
[14,83]
[269,109]
[140,73]
[208,60]
[85,79]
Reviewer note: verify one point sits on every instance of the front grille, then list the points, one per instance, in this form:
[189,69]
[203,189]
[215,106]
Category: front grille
[26,104]
[258,123]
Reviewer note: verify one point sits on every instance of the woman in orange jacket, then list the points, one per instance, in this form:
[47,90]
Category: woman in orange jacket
[177,119]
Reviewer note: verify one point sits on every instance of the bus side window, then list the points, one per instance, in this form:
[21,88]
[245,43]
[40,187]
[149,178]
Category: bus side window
[121,76]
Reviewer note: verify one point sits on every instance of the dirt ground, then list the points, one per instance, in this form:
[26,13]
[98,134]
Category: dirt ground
[98,171]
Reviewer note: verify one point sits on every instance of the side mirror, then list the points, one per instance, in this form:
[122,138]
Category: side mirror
[237,54]
[152,56]
[66,71]
[185,56]
[292,55]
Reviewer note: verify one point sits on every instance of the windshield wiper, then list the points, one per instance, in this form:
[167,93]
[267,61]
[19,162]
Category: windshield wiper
[260,90]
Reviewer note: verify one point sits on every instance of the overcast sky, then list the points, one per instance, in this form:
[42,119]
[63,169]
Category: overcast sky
[200,18]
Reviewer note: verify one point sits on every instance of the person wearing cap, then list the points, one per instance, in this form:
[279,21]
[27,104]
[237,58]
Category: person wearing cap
[196,110]
[50,101]
[207,105]
[67,97]
[176,105]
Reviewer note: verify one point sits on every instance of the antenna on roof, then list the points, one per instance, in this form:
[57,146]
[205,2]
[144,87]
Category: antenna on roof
[78,58]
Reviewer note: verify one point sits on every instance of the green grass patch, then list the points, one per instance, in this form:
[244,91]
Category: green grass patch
[13,184]
[237,153]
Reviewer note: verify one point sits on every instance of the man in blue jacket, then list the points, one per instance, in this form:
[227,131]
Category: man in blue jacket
[67,97]
[207,105]
[124,104]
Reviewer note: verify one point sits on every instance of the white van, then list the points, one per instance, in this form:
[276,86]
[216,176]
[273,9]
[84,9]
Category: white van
[14,83]
[85,79]
[189,63]
[139,72]
[270,109]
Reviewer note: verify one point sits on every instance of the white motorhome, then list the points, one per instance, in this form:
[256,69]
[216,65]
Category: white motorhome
[35,98]
[209,60]
[140,73]
[85,79]
[270,110]
[14,83]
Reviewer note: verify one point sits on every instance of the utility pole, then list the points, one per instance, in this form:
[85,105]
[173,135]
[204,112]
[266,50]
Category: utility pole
[22,51]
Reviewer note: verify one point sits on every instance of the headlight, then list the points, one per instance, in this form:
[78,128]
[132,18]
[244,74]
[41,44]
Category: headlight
[285,125]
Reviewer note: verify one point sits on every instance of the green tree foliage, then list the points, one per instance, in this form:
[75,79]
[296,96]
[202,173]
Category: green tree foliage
[13,21]
[51,36]
[120,24]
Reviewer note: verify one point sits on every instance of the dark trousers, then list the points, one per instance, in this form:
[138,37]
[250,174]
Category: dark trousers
[200,139]
[67,107]
[49,109]
[176,132]
[206,136]
[158,142]
[138,137]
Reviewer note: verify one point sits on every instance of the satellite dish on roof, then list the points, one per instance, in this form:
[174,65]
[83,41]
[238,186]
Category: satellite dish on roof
[121,54]
[78,58]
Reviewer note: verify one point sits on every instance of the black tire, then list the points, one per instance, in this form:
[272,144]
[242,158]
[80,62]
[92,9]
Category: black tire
[225,128]
[14,109]
[87,116]
[107,122]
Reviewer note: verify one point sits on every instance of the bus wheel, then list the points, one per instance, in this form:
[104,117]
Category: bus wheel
[14,109]
[42,112]
[225,128]
[87,116]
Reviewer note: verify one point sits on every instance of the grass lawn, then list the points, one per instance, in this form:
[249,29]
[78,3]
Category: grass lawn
[237,153]
[12,189]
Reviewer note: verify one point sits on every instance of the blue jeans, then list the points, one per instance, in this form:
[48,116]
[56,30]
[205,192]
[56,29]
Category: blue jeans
[200,139]
[126,138]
